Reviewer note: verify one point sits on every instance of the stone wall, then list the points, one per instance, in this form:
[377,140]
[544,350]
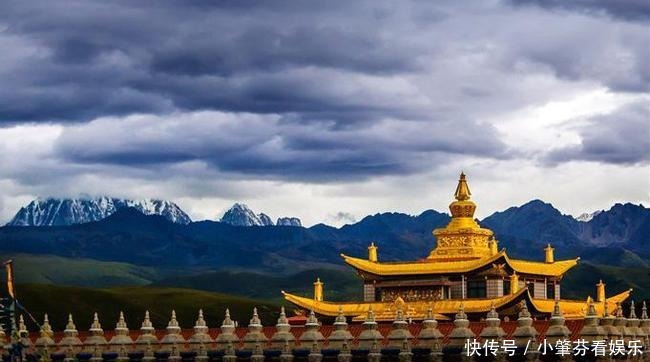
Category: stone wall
[401,340]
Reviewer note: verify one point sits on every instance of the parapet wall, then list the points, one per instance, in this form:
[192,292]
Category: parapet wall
[400,340]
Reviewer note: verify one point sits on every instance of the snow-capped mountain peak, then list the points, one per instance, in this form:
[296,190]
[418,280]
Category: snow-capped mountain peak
[55,212]
[241,215]
[586,217]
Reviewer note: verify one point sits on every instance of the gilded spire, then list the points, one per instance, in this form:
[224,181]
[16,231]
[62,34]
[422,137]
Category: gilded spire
[121,323]
[282,320]
[340,318]
[619,310]
[372,252]
[96,326]
[227,321]
[462,190]
[318,290]
[632,311]
[557,312]
[255,321]
[22,327]
[524,313]
[399,314]
[311,320]
[146,323]
[173,322]
[200,321]
[492,314]
[70,327]
[46,333]
[463,237]
[46,329]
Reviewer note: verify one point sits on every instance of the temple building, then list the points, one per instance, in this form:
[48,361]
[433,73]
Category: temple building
[466,269]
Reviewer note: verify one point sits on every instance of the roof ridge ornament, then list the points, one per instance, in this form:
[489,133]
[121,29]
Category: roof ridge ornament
[462,192]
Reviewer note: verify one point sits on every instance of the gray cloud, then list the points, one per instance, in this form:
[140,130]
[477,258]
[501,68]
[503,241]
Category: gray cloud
[344,62]
[343,217]
[621,137]
[264,146]
[632,10]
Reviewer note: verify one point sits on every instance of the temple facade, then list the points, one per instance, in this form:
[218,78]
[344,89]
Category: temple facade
[466,269]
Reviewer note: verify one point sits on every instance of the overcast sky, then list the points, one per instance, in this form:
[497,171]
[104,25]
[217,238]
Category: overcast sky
[326,110]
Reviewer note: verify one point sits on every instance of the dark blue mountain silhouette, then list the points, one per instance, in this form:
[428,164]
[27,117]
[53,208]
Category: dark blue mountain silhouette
[130,236]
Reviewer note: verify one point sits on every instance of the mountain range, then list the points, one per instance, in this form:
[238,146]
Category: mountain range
[128,235]
[241,215]
[60,212]
[57,212]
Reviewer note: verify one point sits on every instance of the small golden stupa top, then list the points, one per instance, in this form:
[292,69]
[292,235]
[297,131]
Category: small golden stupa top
[462,190]
[463,207]
[463,237]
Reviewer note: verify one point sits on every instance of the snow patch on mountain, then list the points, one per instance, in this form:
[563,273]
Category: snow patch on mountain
[586,217]
[56,212]
[288,221]
[241,215]
[265,219]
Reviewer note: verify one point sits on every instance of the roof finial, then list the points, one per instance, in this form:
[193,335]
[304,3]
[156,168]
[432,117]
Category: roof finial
[462,190]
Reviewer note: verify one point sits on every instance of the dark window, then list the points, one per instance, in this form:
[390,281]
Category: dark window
[476,289]
[550,291]
[506,287]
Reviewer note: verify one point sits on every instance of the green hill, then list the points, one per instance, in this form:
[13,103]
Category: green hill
[340,285]
[51,269]
[580,281]
[58,301]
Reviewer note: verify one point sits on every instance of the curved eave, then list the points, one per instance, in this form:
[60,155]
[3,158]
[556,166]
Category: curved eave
[573,309]
[447,306]
[418,267]
[620,298]
[554,269]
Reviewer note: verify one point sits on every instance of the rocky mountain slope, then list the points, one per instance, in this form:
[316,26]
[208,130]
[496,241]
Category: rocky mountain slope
[56,212]
[241,215]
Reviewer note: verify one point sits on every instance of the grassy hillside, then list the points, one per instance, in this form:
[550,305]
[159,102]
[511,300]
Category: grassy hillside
[50,269]
[580,281]
[340,285]
[81,272]
[58,301]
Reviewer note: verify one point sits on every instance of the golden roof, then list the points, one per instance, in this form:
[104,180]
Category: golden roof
[461,246]
[578,308]
[424,267]
[571,309]
[416,310]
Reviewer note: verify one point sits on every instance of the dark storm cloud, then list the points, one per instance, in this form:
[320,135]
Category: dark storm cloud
[75,61]
[94,59]
[633,10]
[311,91]
[621,137]
[263,146]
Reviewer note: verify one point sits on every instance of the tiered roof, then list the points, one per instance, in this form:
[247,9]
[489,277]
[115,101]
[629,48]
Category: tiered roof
[462,247]
[445,308]
[428,266]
